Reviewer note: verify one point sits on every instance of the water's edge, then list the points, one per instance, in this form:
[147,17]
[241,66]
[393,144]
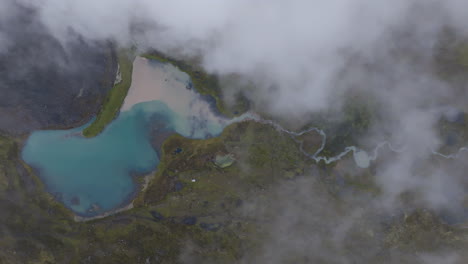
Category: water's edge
[362,158]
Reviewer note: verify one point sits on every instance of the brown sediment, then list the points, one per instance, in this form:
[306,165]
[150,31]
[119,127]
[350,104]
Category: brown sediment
[165,83]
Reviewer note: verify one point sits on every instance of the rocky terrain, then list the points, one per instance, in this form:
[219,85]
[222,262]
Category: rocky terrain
[44,84]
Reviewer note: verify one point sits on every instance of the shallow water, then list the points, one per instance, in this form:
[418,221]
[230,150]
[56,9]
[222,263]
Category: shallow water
[93,175]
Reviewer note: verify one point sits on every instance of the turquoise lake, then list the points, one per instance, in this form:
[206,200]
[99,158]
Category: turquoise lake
[92,176]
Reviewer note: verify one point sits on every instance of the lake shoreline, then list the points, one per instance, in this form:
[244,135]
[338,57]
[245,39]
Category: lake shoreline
[82,189]
[127,204]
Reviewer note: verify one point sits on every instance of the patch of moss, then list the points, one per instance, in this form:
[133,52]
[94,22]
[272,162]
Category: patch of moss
[310,142]
[357,120]
[453,133]
[420,230]
[211,193]
[463,55]
[451,57]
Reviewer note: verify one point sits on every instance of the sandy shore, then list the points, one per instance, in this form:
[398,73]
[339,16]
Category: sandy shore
[78,218]
[146,181]
[157,81]
[164,82]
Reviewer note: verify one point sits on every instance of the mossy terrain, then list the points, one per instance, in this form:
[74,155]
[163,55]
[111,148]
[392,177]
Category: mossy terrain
[463,54]
[38,229]
[204,83]
[272,203]
[265,156]
[114,100]
[454,133]
[451,57]
[359,115]
[196,212]
[421,230]
[310,142]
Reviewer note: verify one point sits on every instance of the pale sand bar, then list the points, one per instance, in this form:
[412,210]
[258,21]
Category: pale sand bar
[152,80]
[158,81]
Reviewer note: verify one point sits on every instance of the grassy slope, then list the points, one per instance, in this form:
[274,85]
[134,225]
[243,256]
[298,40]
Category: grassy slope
[463,55]
[40,230]
[36,229]
[115,98]
[359,115]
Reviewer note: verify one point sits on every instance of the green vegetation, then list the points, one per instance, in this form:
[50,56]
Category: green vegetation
[454,133]
[463,55]
[115,98]
[359,114]
[204,83]
[193,220]
[451,58]
[310,142]
[267,155]
[194,211]
[420,230]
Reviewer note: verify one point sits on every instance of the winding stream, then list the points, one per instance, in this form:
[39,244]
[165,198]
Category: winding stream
[92,176]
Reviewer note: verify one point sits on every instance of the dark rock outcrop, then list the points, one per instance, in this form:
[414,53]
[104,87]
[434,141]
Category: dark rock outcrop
[47,83]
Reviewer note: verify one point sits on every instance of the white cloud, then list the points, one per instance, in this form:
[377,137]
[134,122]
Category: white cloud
[300,54]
